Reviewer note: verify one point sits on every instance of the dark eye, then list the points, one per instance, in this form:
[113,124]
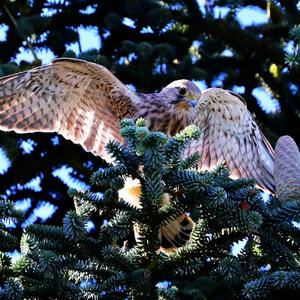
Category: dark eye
[182,91]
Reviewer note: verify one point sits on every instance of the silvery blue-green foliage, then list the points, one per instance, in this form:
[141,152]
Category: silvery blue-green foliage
[293,58]
[73,261]
[10,286]
[261,287]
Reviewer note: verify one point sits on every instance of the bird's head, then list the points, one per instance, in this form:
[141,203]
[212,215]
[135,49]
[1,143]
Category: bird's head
[182,94]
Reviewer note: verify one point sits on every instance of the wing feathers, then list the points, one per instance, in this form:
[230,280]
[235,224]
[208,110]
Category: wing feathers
[82,101]
[230,134]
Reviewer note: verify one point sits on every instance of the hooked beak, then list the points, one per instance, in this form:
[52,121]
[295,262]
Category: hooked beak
[193,102]
[186,102]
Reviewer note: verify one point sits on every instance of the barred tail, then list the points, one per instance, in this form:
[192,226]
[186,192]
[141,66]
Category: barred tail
[176,233]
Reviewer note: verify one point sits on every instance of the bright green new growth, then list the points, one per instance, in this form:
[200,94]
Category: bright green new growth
[72,262]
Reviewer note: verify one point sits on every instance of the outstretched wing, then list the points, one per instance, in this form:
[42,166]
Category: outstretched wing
[80,100]
[229,133]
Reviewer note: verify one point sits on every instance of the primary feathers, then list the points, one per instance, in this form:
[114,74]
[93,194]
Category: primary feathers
[84,102]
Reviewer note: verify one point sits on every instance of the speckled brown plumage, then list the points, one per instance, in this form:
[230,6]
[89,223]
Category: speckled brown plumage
[287,170]
[85,102]
[229,133]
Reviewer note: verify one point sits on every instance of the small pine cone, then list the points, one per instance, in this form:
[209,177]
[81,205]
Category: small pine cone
[287,170]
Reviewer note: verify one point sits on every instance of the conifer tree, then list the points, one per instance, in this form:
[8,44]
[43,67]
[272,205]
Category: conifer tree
[10,284]
[161,41]
[70,261]
[148,43]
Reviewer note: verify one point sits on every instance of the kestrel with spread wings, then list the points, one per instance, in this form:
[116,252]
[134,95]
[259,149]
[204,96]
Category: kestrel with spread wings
[84,102]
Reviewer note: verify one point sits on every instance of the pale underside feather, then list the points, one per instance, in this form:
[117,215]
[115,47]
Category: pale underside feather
[229,134]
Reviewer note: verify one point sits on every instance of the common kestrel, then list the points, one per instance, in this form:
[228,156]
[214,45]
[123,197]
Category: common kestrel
[85,102]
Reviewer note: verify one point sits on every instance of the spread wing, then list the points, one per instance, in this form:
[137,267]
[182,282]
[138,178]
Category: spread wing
[80,100]
[229,133]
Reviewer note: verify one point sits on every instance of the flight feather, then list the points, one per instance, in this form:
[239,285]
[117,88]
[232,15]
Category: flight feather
[82,101]
[230,134]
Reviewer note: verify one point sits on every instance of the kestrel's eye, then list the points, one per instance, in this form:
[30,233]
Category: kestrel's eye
[182,91]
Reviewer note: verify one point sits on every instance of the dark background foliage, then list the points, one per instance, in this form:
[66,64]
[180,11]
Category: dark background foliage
[165,40]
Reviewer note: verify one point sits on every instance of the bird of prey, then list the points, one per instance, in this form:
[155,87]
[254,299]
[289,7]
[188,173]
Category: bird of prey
[84,102]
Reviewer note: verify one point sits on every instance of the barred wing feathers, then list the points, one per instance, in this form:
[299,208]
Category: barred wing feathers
[80,100]
[229,133]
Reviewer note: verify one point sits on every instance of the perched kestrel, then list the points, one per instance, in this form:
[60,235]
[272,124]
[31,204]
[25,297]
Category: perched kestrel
[85,102]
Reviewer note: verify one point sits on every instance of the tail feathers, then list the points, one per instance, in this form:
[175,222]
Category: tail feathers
[176,233]
[172,235]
